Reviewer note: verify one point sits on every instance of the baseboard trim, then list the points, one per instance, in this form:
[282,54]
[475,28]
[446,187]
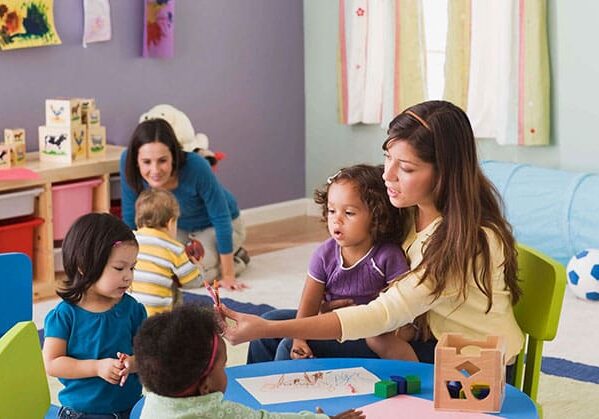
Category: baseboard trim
[276,212]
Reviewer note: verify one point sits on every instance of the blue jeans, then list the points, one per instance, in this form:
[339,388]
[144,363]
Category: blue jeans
[264,350]
[68,413]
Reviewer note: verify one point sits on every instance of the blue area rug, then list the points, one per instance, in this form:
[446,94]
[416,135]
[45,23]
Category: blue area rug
[249,308]
[569,369]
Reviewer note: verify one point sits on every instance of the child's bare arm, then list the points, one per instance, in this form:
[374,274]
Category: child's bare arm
[58,364]
[309,306]
[311,298]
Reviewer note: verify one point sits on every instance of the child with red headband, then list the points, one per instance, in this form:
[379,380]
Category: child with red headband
[188,380]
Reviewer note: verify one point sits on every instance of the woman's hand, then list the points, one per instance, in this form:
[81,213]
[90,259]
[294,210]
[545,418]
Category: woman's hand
[247,327]
[348,414]
[300,350]
[326,306]
[230,283]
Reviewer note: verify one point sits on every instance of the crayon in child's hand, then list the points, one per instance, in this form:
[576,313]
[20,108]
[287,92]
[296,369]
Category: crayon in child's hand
[122,358]
[213,293]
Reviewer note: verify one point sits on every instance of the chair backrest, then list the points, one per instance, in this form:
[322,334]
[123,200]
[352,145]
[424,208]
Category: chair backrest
[16,290]
[24,389]
[543,282]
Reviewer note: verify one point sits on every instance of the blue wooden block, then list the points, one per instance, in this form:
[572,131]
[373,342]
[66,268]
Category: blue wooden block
[454,388]
[402,384]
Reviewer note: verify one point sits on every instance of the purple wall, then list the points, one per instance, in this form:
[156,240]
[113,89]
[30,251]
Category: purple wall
[238,73]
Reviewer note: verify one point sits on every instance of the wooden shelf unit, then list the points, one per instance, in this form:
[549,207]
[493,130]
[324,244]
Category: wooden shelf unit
[44,277]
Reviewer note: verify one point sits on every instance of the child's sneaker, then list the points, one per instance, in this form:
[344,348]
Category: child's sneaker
[243,255]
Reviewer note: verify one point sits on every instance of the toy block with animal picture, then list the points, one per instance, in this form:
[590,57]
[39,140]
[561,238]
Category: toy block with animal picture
[96,142]
[469,374]
[14,135]
[5,162]
[18,154]
[87,106]
[92,118]
[63,144]
[63,112]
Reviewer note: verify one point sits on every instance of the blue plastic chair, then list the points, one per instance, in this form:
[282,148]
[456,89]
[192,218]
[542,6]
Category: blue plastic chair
[16,290]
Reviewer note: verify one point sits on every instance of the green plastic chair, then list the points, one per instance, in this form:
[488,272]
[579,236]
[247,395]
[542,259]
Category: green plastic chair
[543,282]
[24,391]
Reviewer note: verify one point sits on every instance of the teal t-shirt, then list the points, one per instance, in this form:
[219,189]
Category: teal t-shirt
[96,336]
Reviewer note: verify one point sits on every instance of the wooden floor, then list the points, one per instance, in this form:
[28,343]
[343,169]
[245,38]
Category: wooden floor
[279,235]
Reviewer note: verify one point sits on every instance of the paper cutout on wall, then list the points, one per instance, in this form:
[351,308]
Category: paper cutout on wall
[159,29]
[27,23]
[96,21]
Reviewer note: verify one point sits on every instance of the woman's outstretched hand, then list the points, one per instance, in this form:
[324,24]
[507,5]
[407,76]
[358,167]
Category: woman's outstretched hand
[348,414]
[247,326]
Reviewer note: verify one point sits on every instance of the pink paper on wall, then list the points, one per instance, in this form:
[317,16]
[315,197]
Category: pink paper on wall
[96,21]
[414,407]
[159,29]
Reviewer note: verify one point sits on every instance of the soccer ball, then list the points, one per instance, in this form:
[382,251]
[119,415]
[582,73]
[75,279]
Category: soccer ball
[583,274]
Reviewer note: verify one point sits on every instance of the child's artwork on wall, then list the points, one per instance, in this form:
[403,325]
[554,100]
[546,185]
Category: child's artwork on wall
[96,21]
[311,385]
[159,29]
[27,23]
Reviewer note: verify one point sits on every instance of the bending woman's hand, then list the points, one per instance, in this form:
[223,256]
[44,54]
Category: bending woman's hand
[247,326]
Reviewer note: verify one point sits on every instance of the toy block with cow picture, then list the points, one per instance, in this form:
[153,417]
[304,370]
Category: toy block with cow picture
[63,144]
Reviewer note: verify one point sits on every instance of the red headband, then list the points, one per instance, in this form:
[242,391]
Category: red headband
[208,369]
[190,390]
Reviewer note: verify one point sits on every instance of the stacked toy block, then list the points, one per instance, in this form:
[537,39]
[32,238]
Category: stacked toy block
[96,133]
[397,384]
[12,151]
[469,374]
[69,133]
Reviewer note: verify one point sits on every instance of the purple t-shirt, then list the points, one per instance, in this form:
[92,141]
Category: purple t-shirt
[365,279]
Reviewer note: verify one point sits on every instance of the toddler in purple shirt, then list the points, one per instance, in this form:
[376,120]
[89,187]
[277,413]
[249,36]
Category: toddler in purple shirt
[362,256]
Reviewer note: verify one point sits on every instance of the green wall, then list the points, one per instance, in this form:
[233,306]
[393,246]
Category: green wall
[575,115]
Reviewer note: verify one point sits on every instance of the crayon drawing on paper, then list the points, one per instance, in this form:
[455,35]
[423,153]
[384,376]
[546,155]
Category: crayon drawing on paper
[27,23]
[310,385]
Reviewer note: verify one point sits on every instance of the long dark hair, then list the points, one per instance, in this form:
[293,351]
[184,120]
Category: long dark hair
[86,249]
[441,135]
[386,226]
[150,131]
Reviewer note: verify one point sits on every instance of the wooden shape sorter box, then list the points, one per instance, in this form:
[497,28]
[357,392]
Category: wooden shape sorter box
[44,283]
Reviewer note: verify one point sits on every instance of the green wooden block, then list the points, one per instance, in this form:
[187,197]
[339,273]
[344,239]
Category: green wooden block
[413,384]
[385,389]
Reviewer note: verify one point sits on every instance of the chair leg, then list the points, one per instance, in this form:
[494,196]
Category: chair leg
[533,368]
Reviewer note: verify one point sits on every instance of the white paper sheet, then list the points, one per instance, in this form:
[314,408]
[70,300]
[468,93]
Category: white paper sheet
[310,385]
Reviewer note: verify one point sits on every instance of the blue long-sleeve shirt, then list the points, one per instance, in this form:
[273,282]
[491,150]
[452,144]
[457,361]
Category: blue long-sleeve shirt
[203,201]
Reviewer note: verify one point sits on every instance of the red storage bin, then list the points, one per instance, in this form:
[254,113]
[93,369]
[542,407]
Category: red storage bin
[17,235]
[69,202]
